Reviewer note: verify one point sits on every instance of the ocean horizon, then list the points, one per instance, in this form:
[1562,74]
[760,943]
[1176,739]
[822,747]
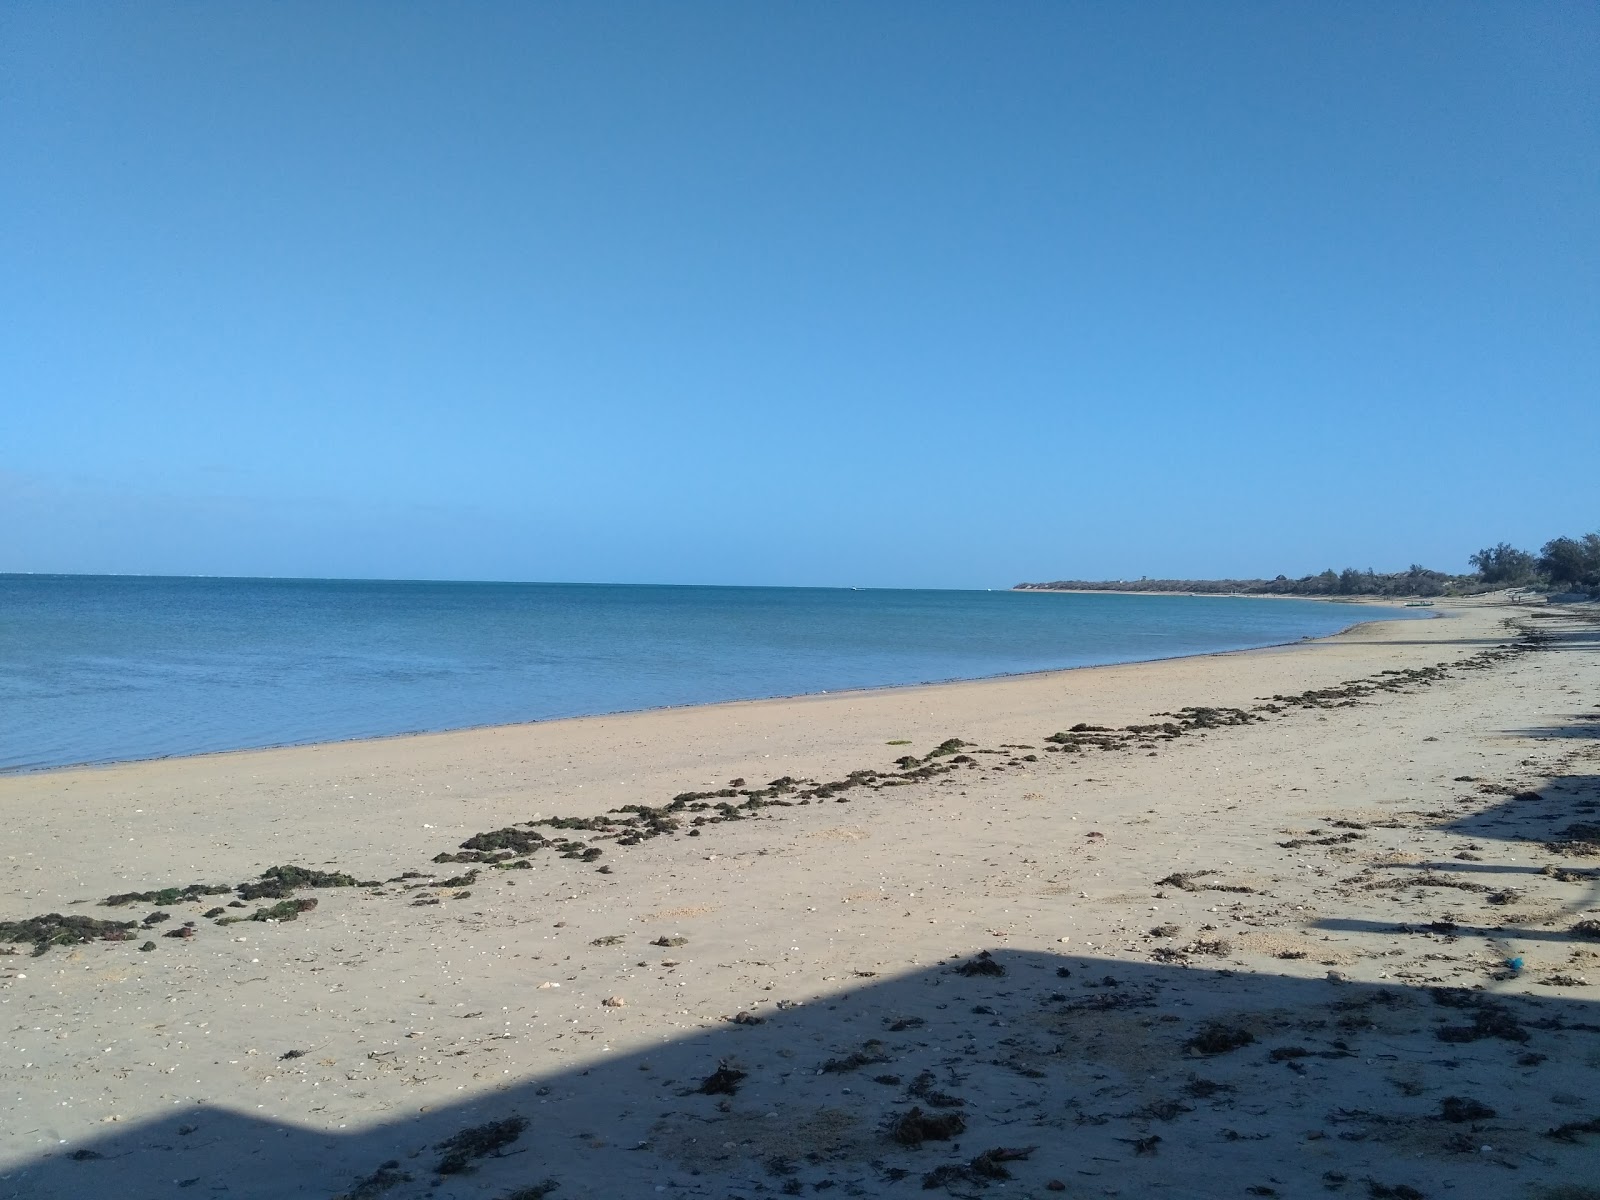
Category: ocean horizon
[107,668]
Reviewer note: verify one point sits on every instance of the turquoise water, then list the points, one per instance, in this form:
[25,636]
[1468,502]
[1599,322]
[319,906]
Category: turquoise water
[99,669]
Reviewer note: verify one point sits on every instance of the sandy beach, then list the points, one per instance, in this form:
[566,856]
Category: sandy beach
[1326,920]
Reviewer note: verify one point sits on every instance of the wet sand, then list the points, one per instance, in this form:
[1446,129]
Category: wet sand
[1255,944]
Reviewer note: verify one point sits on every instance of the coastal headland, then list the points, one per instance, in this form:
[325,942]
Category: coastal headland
[1317,919]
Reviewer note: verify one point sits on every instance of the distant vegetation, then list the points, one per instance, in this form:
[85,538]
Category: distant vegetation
[1564,564]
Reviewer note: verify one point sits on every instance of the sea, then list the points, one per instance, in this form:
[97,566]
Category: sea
[98,669]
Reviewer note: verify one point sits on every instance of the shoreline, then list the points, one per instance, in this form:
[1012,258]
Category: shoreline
[1215,911]
[111,763]
[1386,601]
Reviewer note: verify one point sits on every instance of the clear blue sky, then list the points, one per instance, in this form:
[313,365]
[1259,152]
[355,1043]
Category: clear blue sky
[813,293]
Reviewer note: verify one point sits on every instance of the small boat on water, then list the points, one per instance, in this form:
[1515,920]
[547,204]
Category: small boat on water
[1419,603]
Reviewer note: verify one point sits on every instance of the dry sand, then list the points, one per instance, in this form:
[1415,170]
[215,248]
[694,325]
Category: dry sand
[1323,1009]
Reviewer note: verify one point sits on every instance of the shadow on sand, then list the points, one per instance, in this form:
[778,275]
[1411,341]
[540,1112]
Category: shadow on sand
[1103,1077]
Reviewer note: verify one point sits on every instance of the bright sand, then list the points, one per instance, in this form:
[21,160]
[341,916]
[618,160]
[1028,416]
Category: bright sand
[837,923]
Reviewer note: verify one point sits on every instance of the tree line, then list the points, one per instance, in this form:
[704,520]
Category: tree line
[1562,565]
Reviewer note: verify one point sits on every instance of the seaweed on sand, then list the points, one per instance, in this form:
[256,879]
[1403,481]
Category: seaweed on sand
[984,1168]
[478,1141]
[54,929]
[171,895]
[1489,1018]
[922,1088]
[724,1081]
[278,883]
[388,1175]
[1460,1109]
[284,910]
[1189,881]
[983,964]
[1216,1038]
[870,1054]
[1569,1132]
[915,1127]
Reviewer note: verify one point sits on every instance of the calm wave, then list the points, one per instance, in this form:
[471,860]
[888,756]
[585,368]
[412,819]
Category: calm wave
[97,669]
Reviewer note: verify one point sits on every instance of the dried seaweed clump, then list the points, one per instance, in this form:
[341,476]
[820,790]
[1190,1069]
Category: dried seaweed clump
[370,1187]
[1489,1018]
[915,1127]
[478,1141]
[1216,1038]
[284,910]
[724,1081]
[170,895]
[870,1054]
[54,929]
[277,883]
[983,964]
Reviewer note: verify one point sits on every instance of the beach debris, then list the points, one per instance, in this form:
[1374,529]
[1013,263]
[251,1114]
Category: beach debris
[983,963]
[170,895]
[1570,1131]
[982,1169]
[1189,881]
[922,1088]
[284,910]
[1587,928]
[54,929]
[670,941]
[870,1055]
[1393,1191]
[1490,1019]
[147,947]
[478,1141]
[743,1017]
[724,1081]
[1161,1110]
[186,930]
[1460,1109]
[1579,841]
[277,883]
[614,1002]
[370,1187]
[914,1127]
[1337,839]
[1217,1038]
